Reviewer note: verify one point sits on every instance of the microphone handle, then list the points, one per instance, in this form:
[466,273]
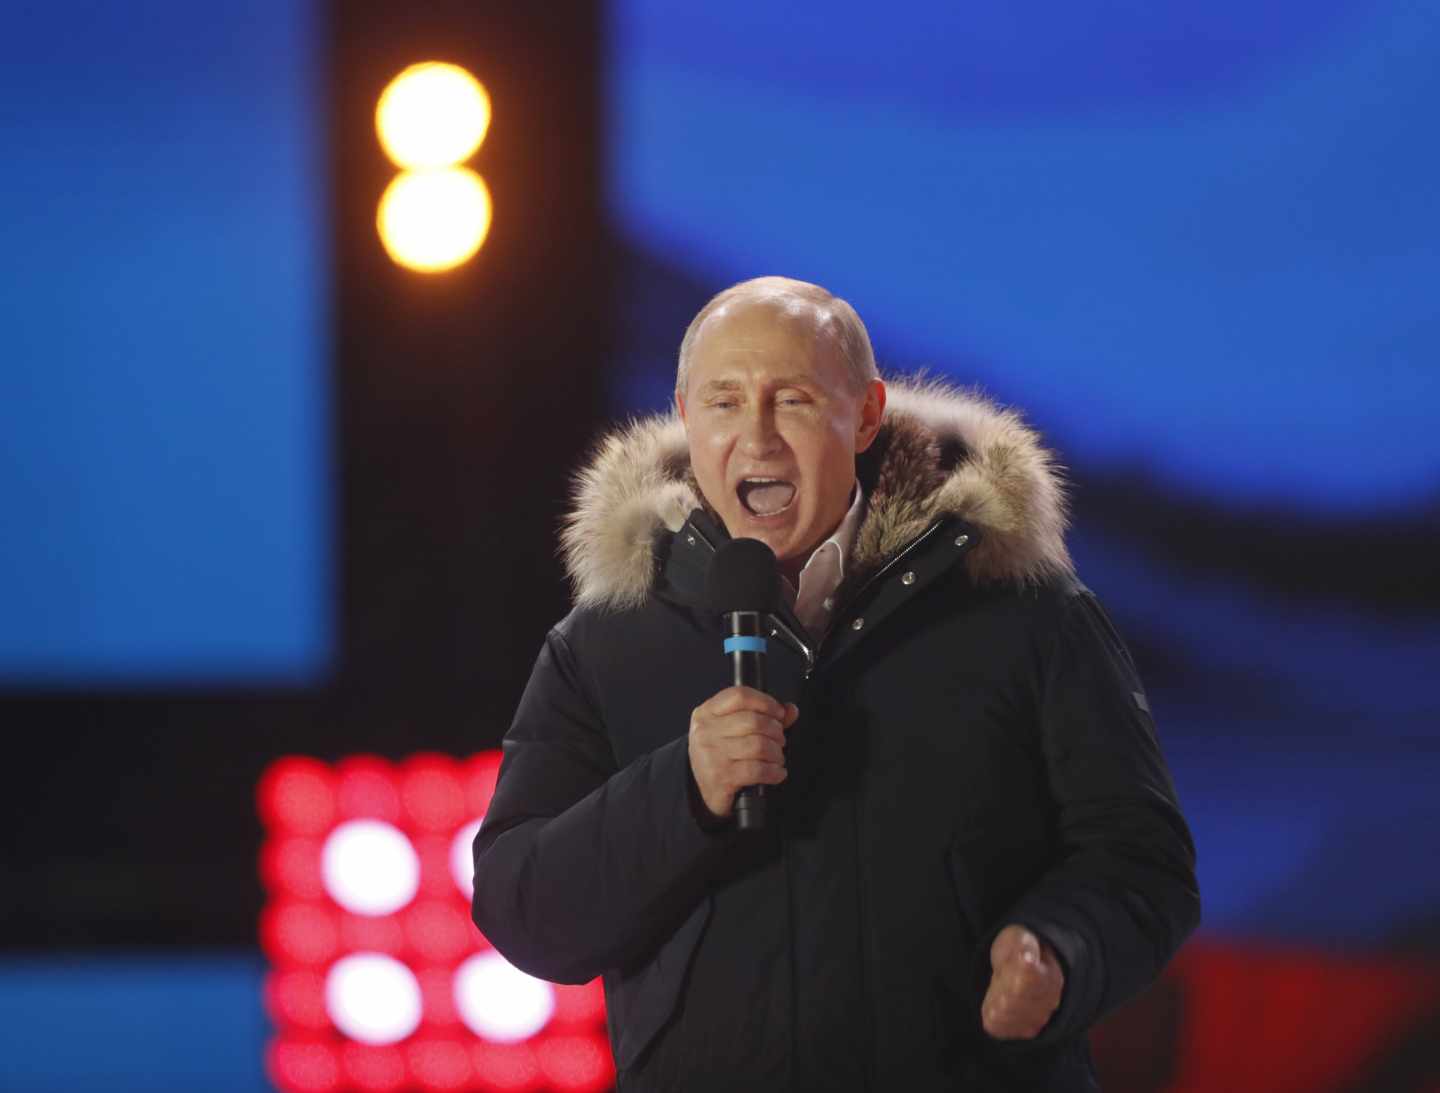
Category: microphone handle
[748,668]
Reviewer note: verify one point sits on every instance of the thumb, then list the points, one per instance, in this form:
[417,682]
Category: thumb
[1029,948]
[792,714]
[1014,945]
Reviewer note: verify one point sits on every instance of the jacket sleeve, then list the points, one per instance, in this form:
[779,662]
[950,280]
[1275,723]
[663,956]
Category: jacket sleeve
[1123,895]
[581,867]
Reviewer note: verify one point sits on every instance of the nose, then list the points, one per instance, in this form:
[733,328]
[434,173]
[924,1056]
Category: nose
[759,438]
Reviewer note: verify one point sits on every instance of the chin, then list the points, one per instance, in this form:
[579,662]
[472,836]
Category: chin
[788,547]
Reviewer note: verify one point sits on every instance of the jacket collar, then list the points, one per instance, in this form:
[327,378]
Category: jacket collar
[942,452]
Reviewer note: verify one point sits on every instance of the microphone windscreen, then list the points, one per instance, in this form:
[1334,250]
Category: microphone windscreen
[744,576]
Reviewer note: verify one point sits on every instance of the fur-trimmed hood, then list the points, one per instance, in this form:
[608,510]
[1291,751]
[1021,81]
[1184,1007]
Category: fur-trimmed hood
[941,451]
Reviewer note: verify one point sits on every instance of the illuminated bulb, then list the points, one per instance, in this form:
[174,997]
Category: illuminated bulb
[373,998]
[462,859]
[432,115]
[498,1001]
[369,867]
[434,220]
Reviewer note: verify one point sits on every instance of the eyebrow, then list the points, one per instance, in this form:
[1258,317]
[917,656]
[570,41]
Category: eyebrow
[715,386]
[711,387]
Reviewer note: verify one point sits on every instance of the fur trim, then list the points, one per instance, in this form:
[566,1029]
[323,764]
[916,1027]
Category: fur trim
[941,451]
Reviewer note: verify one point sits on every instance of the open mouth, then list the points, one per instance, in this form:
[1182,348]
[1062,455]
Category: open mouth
[766,496]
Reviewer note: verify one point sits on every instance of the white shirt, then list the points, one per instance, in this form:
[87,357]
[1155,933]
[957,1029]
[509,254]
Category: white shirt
[824,571]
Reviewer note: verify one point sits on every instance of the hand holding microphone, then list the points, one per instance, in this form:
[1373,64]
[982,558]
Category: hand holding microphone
[737,738]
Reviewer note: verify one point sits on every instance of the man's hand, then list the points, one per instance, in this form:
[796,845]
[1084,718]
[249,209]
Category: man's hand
[1025,985]
[737,739]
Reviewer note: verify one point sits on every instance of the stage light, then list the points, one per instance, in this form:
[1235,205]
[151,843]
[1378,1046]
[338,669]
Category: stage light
[432,221]
[440,1064]
[372,933]
[437,930]
[300,1066]
[432,115]
[373,1068]
[293,932]
[436,881]
[579,1006]
[500,1002]
[462,858]
[507,1068]
[373,998]
[366,790]
[297,997]
[576,1064]
[432,793]
[369,867]
[291,867]
[437,996]
[371,859]
[298,795]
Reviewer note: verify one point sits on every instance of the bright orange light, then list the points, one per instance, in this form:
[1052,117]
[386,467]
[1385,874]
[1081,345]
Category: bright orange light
[431,221]
[432,115]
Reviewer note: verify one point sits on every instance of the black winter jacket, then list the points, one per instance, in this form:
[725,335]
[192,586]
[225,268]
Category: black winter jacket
[974,749]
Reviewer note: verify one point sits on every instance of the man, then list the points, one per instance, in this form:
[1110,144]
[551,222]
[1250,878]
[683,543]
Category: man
[974,850]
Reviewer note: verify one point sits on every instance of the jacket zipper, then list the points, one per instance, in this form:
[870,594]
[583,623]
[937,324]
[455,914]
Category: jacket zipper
[780,627]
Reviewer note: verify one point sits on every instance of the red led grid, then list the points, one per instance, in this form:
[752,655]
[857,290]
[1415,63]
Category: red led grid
[429,798]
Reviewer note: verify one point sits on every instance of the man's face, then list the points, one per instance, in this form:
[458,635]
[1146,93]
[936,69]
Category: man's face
[774,424]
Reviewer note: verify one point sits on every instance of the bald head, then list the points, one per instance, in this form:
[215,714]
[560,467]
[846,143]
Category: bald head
[796,302]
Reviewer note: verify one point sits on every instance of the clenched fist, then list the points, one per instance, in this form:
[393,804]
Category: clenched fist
[1025,985]
[737,739]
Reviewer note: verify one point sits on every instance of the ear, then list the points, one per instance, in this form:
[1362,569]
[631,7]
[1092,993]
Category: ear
[680,405]
[872,411]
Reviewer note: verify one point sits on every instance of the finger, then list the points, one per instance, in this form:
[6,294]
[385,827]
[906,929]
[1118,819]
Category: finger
[1009,943]
[995,1015]
[1026,970]
[748,723]
[757,747]
[1020,1002]
[1007,1026]
[733,699]
[1007,1015]
[753,772]
[792,714]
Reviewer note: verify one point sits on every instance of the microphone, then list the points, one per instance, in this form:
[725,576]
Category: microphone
[743,586]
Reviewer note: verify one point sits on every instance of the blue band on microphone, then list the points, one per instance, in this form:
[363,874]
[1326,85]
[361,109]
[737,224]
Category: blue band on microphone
[745,644]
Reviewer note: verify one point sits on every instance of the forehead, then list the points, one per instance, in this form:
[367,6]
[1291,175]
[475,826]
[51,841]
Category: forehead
[747,336]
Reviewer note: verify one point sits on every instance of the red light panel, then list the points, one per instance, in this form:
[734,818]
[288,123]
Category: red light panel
[367,790]
[304,1066]
[297,796]
[372,1069]
[433,794]
[576,1064]
[507,1068]
[429,801]
[293,865]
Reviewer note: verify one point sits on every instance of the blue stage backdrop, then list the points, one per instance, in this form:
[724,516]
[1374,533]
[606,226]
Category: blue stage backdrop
[163,414]
[1198,244]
